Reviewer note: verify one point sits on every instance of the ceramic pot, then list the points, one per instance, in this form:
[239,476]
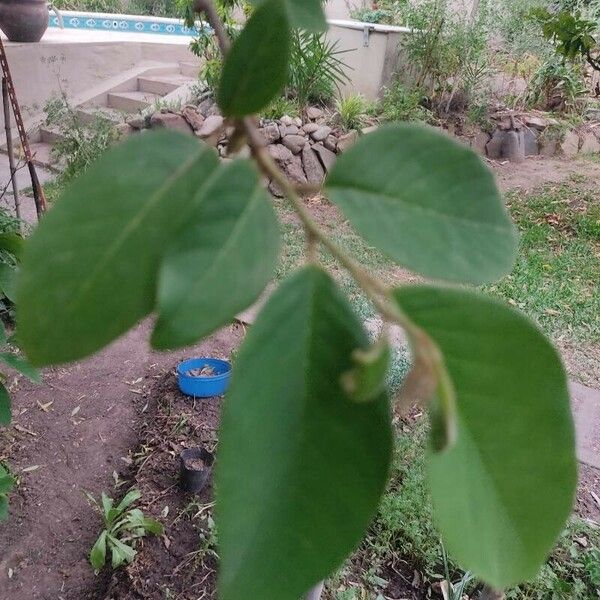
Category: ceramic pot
[24,20]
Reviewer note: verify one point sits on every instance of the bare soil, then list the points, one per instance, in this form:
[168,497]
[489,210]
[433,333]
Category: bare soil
[80,431]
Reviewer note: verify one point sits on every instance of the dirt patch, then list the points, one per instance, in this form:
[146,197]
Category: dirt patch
[80,430]
[535,172]
[588,493]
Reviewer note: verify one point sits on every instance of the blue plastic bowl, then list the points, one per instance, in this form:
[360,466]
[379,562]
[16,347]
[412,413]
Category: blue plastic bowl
[203,387]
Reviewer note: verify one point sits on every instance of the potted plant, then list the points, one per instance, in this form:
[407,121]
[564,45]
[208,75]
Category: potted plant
[24,20]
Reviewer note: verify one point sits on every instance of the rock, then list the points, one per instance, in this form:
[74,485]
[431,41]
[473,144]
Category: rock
[504,123]
[320,134]
[293,169]
[327,157]
[530,142]
[569,147]
[288,130]
[211,126]
[347,140]
[286,120]
[538,123]
[295,143]
[590,143]
[193,117]
[549,146]
[205,107]
[330,143]
[479,142]
[280,153]
[275,189]
[170,121]
[124,130]
[297,121]
[513,147]
[270,133]
[592,114]
[313,113]
[213,111]
[370,129]
[494,146]
[315,173]
[137,122]
[310,127]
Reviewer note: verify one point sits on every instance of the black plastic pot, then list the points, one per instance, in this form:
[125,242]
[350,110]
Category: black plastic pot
[194,478]
[24,20]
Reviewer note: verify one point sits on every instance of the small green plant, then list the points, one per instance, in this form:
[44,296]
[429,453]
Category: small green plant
[122,527]
[454,591]
[81,143]
[402,104]
[7,483]
[351,111]
[279,107]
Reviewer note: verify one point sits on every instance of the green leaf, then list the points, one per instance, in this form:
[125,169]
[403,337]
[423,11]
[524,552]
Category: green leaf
[7,481]
[98,553]
[302,14]
[20,365]
[13,243]
[121,553]
[3,507]
[301,466]
[89,270]
[367,379]
[222,262]
[131,497]
[7,281]
[255,70]
[5,410]
[107,507]
[152,526]
[427,202]
[503,491]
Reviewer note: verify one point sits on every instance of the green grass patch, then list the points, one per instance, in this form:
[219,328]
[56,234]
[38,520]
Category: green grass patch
[555,279]
[403,533]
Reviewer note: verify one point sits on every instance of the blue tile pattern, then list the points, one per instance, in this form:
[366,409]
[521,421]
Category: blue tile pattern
[117,23]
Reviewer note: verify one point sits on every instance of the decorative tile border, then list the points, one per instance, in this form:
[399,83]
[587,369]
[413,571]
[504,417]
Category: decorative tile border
[124,23]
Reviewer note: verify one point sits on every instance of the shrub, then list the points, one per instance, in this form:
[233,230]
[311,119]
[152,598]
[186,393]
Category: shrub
[316,70]
[279,107]
[402,104]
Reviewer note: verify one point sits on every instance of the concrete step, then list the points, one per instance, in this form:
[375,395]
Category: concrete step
[190,69]
[131,102]
[42,155]
[162,85]
[88,114]
[50,135]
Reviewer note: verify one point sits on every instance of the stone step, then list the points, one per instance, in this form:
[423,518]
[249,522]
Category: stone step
[50,135]
[162,85]
[190,69]
[42,155]
[87,114]
[131,102]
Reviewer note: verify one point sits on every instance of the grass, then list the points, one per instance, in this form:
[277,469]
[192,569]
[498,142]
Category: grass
[402,537]
[555,279]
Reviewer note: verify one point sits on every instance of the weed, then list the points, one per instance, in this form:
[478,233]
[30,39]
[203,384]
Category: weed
[122,527]
[279,107]
[352,111]
[400,103]
[81,143]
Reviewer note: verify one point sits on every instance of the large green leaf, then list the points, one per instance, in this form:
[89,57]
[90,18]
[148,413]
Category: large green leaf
[5,407]
[98,552]
[7,280]
[89,270]
[3,507]
[222,262]
[426,201]
[301,465]
[502,493]
[7,481]
[255,70]
[302,14]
